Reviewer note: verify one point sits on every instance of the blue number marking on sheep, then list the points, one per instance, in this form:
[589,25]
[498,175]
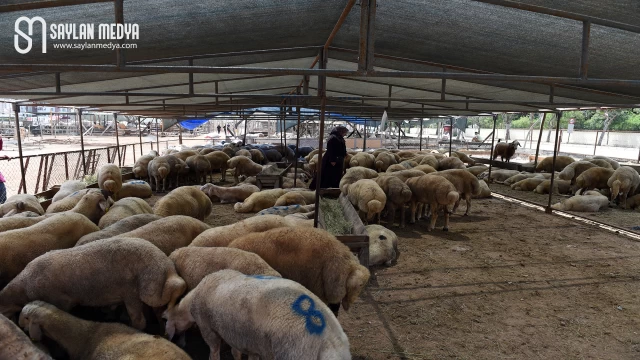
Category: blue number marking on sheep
[263,277]
[137,182]
[314,320]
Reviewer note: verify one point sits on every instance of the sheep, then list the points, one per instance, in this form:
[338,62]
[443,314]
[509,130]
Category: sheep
[135,188]
[20,203]
[573,170]
[383,245]
[194,263]
[259,201]
[278,333]
[301,219]
[546,164]
[505,150]
[465,183]
[312,257]
[242,165]
[94,204]
[614,164]
[518,177]
[395,167]
[485,192]
[591,202]
[408,164]
[633,202]
[140,168]
[398,195]
[20,246]
[601,162]
[127,270]
[368,198]
[257,156]
[427,169]
[125,225]
[406,154]
[178,167]
[354,174]
[594,178]
[435,191]
[168,234]
[185,200]
[450,163]
[229,151]
[14,344]
[624,181]
[200,167]
[498,175]
[67,188]
[430,160]
[124,208]
[159,169]
[24,214]
[218,160]
[207,150]
[404,174]
[559,187]
[229,194]
[477,169]
[529,184]
[304,197]
[224,235]
[244,152]
[18,222]
[287,210]
[83,339]
[184,154]
[110,178]
[383,161]
[464,157]
[362,159]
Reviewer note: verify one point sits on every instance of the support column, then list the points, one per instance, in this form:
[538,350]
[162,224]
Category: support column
[584,56]
[535,162]
[246,120]
[364,141]
[295,164]
[119,12]
[367,27]
[493,137]
[421,120]
[322,87]
[157,136]
[451,134]
[16,111]
[553,169]
[84,161]
[140,134]
[399,134]
[115,125]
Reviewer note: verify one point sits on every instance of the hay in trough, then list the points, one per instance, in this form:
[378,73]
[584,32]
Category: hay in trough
[271,170]
[335,221]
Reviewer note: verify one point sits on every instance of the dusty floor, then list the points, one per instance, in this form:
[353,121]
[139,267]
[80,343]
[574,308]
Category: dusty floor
[507,282]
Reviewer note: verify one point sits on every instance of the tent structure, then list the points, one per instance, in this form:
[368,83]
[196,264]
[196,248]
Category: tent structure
[352,58]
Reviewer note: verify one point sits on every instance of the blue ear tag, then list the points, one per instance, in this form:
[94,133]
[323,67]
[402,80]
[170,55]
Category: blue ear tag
[314,320]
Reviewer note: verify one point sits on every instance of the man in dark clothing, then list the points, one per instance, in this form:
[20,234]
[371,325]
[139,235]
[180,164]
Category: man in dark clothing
[219,128]
[333,159]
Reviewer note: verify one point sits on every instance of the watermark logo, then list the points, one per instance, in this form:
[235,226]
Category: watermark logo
[70,32]
[16,39]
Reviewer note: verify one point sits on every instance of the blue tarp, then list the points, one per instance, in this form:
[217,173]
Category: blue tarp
[192,123]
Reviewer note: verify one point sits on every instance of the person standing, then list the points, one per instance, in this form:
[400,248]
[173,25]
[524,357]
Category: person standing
[219,128]
[3,188]
[333,159]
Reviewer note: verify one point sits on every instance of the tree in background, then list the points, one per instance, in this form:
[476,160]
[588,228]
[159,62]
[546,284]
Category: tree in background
[609,116]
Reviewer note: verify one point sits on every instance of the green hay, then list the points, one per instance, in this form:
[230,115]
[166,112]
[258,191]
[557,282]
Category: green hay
[334,219]
[90,179]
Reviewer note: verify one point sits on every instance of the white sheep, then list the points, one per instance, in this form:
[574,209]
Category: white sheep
[20,203]
[140,168]
[83,339]
[122,226]
[123,208]
[624,181]
[354,174]
[185,200]
[135,188]
[590,201]
[435,191]
[242,165]
[368,198]
[224,235]
[194,263]
[67,188]
[293,323]
[14,344]
[110,178]
[102,273]
[229,194]
[259,201]
[19,247]
[383,245]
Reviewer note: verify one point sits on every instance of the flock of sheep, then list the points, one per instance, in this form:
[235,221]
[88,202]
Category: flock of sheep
[105,247]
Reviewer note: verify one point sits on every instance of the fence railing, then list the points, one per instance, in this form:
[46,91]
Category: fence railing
[45,170]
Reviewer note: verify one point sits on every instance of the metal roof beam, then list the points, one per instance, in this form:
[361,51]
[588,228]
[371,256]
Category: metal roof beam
[46,4]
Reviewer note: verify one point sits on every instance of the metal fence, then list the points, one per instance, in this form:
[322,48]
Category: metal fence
[46,170]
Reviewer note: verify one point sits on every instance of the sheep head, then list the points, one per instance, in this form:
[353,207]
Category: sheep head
[356,281]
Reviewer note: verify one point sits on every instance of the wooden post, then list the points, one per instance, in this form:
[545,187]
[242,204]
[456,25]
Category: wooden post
[295,164]
[451,135]
[157,136]
[421,121]
[84,161]
[16,111]
[399,135]
[322,92]
[115,125]
[140,135]
[553,169]
[364,141]
[535,162]
[493,137]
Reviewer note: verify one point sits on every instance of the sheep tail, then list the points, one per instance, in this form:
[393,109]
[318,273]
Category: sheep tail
[109,185]
[375,206]
[407,193]
[163,171]
[615,189]
[20,205]
[452,197]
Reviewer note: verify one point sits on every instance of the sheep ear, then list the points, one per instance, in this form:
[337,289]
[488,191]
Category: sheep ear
[104,205]
[170,328]
[34,331]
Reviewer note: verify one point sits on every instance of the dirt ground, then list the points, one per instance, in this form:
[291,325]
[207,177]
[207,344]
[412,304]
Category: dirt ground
[506,282]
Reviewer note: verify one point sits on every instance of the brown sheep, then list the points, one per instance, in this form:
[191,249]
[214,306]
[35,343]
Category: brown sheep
[159,169]
[383,161]
[528,184]
[257,156]
[242,165]
[624,181]
[200,167]
[559,187]
[313,258]
[398,195]
[546,164]
[363,159]
[218,161]
[185,200]
[125,225]
[140,168]
[184,154]
[14,344]
[126,270]
[464,157]
[124,208]
[505,150]
[573,170]
[20,203]
[594,178]
[435,191]
[465,183]
[450,163]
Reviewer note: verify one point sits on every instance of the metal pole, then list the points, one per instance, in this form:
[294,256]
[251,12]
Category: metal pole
[451,135]
[119,12]
[157,136]
[322,84]
[553,169]
[84,161]
[140,134]
[421,120]
[493,137]
[364,141]
[16,111]
[115,125]
[584,58]
[398,135]
[246,121]
[535,162]
[295,170]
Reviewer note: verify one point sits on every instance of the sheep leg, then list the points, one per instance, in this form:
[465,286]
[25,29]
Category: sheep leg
[164,184]
[434,217]
[237,354]
[624,199]
[455,206]
[446,222]
[467,198]
[134,309]
[402,216]
[213,340]
[412,218]
[391,214]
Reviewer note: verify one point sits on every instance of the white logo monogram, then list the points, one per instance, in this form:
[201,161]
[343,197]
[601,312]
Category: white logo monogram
[28,37]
